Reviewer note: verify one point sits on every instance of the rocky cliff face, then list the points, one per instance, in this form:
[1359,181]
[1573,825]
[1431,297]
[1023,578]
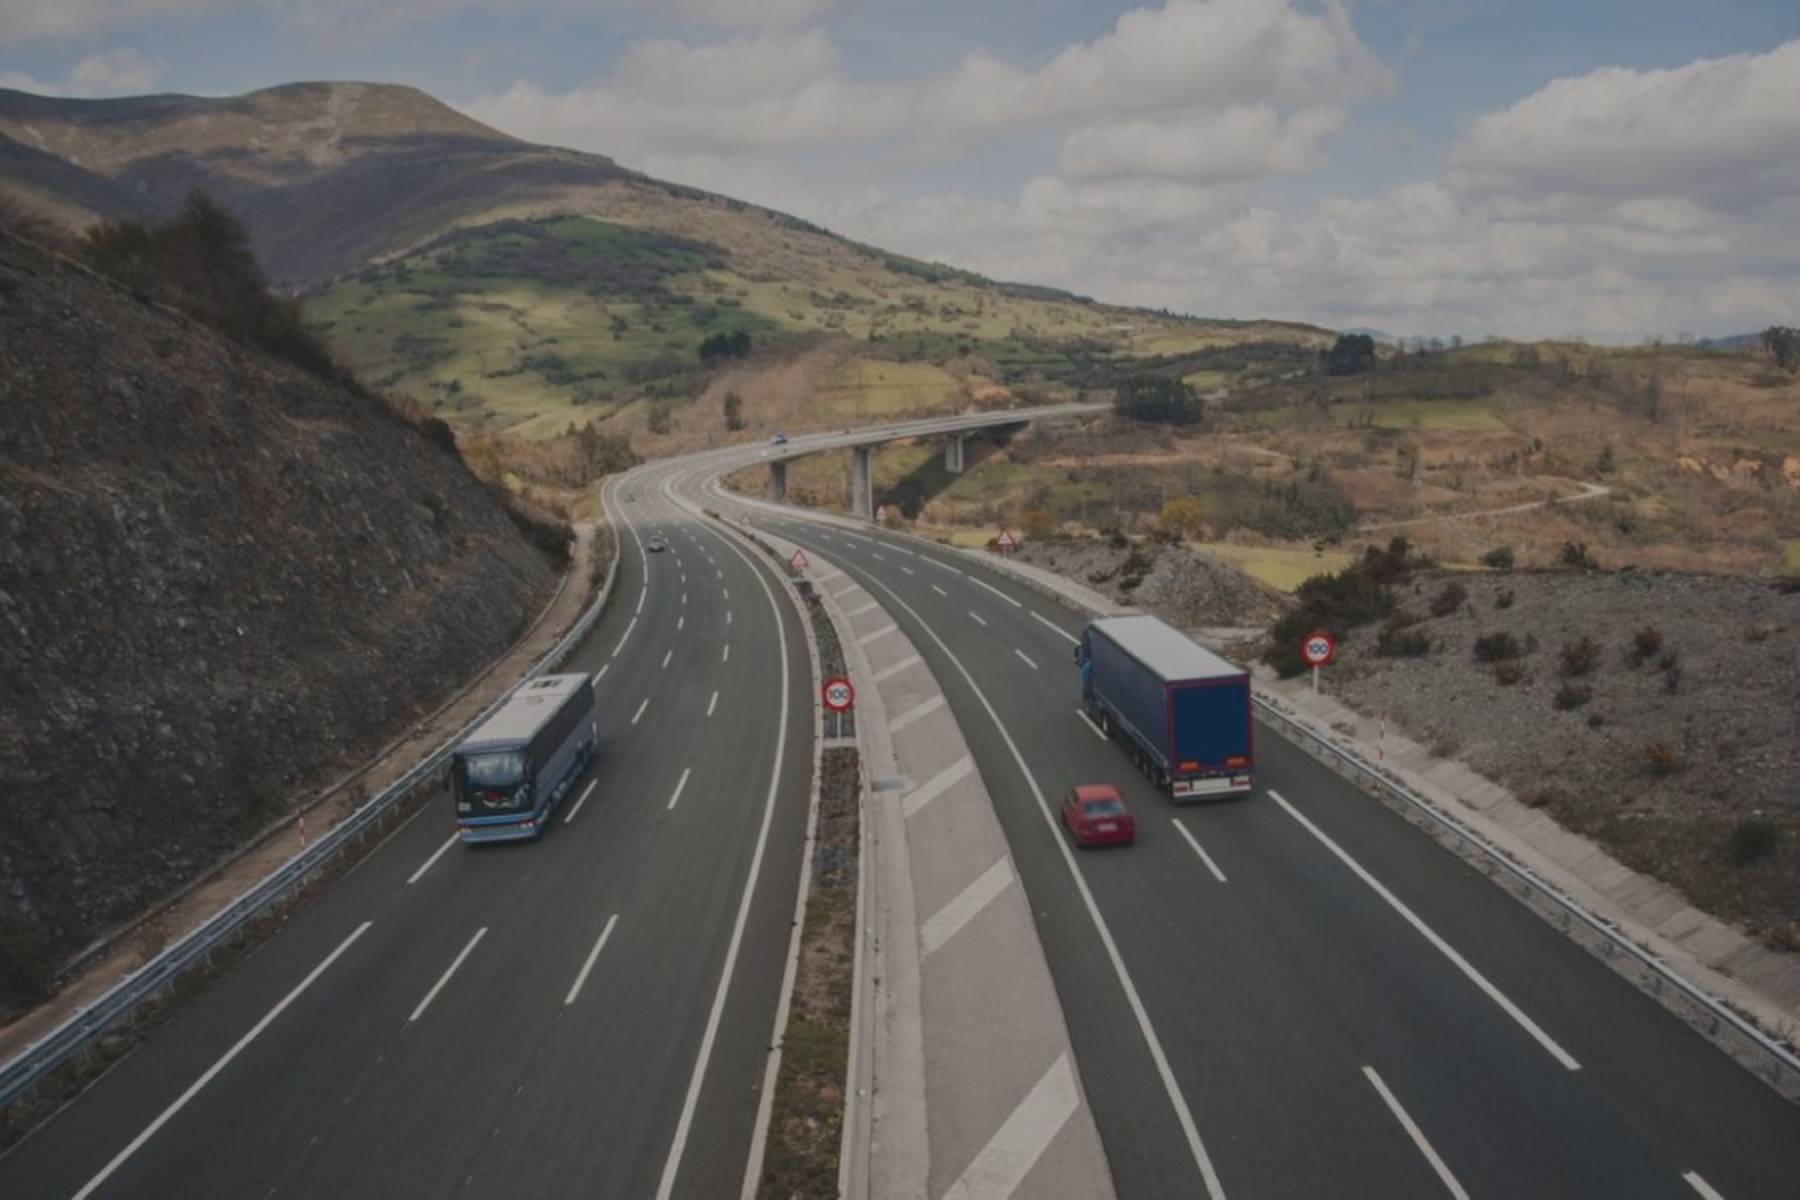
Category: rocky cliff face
[222,581]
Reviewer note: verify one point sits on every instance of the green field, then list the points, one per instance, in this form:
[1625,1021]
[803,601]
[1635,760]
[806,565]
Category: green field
[866,389]
[1281,569]
[1790,553]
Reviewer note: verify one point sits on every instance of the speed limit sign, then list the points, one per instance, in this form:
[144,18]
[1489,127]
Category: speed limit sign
[838,695]
[1318,648]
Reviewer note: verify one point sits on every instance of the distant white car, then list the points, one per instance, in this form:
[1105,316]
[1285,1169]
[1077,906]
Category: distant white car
[657,542]
[780,439]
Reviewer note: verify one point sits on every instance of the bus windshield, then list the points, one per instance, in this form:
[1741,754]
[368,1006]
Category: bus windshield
[502,769]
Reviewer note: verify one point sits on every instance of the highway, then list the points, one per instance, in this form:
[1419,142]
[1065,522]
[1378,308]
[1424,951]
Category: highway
[1299,994]
[589,1014]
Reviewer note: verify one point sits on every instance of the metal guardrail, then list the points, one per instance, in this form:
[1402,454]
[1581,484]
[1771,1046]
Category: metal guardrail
[1780,1067]
[69,1039]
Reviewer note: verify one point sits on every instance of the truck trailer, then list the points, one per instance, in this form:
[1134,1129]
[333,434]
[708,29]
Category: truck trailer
[1181,711]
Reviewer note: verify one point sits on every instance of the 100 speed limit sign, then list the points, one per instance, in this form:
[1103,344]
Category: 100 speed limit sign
[838,695]
[1317,648]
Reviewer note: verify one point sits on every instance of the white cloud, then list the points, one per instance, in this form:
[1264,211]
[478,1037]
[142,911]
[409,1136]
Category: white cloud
[362,21]
[1240,142]
[43,20]
[114,73]
[1720,128]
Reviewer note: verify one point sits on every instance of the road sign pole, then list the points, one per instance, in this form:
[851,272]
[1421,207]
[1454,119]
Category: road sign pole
[1315,681]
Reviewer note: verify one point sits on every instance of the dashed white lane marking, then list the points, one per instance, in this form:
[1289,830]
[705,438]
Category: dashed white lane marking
[1700,1185]
[905,664]
[878,556]
[869,638]
[1058,630]
[978,618]
[167,1114]
[908,571]
[684,598]
[575,989]
[1199,849]
[682,620]
[712,704]
[725,655]
[1418,1137]
[938,784]
[1016,1147]
[1026,657]
[990,587]
[686,771]
[727,593]
[916,713]
[719,573]
[640,711]
[445,977]
[623,639]
[604,668]
[1462,964]
[666,657]
[435,855]
[948,921]
[728,616]
[1088,721]
[576,807]
[871,606]
[940,591]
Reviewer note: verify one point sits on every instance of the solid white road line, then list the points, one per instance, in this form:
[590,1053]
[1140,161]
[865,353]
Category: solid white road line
[585,793]
[1202,1160]
[711,704]
[212,1072]
[435,855]
[871,606]
[990,587]
[622,639]
[940,563]
[640,604]
[672,1166]
[593,954]
[1462,964]
[1198,849]
[1016,1147]
[938,784]
[1026,657]
[1058,630]
[604,668]
[916,713]
[686,771]
[977,618]
[940,591]
[445,977]
[1088,721]
[640,711]
[1700,1185]
[725,656]
[1413,1132]
[869,638]
[667,655]
[905,664]
[964,907]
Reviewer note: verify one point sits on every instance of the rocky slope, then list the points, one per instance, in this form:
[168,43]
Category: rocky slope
[1185,587]
[221,582]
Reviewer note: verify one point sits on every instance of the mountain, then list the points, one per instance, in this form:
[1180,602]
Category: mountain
[520,288]
[223,582]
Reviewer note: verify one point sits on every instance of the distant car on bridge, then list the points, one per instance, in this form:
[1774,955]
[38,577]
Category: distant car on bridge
[780,439]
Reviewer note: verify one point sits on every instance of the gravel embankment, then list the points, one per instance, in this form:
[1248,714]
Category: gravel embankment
[1185,587]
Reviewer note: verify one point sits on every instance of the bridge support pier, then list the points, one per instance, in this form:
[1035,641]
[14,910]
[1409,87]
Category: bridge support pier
[778,482]
[954,453]
[862,486]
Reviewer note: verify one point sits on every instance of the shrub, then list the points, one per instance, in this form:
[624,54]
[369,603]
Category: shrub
[1672,680]
[1752,839]
[1496,647]
[1575,554]
[1500,558]
[1572,696]
[1663,758]
[1759,632]
[1357,595]
[1402,642]
[1504,599]
[1668,660]
[1646,642]
[1546,797]
[1508,672]
[1596,720]
[1452,597]
[1580,657]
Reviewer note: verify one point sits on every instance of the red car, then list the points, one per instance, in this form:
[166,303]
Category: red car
[1097,816]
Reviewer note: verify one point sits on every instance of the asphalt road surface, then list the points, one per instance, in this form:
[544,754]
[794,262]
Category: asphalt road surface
[543,1019]
[1298,994]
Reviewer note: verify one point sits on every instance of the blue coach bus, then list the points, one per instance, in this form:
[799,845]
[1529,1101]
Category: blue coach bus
[508,775]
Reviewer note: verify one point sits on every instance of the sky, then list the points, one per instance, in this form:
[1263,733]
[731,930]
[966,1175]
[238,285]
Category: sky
[1611,169]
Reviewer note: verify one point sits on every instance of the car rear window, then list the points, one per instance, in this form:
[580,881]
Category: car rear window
[1104,808]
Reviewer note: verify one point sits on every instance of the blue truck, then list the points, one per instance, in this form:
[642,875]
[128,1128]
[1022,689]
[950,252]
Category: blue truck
[1181,711]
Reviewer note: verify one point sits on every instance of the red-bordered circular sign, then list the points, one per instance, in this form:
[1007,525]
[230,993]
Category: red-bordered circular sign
[1317,648]
[838,695]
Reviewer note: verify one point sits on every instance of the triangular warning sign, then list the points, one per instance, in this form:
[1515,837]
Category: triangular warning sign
[1006,541]
[798,562]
